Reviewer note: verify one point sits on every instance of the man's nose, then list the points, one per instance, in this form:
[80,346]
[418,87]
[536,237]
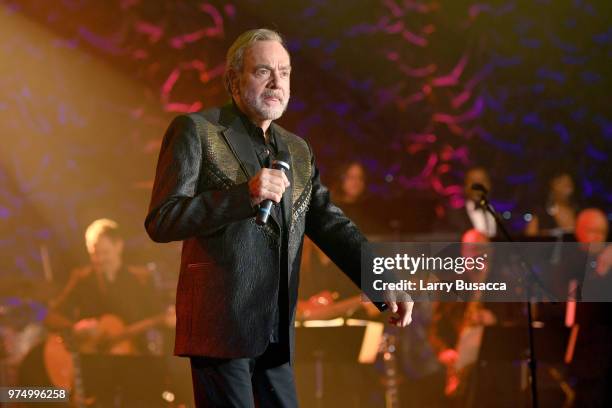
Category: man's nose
[274,80]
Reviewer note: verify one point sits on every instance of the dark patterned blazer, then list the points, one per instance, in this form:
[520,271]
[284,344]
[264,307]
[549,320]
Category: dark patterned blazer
[231,268]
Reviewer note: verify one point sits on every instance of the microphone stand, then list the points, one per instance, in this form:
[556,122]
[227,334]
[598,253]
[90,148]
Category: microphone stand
[532,362]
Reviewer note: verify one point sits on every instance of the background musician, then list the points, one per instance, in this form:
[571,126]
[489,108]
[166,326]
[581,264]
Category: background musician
[471,215]
[105,287]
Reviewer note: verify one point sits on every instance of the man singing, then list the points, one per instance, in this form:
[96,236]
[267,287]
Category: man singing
[237,288]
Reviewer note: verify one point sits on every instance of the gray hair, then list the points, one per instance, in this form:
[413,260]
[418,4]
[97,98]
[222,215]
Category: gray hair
[235,55]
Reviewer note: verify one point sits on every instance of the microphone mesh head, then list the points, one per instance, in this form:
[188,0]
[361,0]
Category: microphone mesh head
[282,161]
[283,156]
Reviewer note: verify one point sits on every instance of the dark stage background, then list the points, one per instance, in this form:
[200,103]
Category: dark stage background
[418,91]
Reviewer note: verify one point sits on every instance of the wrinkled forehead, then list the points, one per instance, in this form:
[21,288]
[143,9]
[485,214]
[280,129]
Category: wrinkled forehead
[268,53]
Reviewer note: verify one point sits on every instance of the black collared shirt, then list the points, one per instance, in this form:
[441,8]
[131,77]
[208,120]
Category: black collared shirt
[266,151]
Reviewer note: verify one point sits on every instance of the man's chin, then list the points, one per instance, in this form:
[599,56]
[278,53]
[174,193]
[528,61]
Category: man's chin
[271,114]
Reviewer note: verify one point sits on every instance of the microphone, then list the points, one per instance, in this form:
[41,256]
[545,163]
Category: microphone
[483,194]
[281,163]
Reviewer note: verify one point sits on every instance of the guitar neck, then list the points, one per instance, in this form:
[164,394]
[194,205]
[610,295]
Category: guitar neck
[343,306]
[140,326]
[334,309]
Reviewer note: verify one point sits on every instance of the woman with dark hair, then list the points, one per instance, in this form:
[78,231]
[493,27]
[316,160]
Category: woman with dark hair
[349,192]
[559,214]
[349,185]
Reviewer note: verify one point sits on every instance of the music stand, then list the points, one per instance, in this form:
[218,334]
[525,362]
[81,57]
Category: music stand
[336,344]
[125,380]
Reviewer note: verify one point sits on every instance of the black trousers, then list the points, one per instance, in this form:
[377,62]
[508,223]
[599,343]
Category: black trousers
[243,382]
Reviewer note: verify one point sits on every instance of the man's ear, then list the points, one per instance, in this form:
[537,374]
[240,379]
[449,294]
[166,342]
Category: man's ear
[234,82]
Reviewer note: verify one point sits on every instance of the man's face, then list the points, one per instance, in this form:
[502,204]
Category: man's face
[562,187]
[475,244]
[472,177]
[591,227]
[263,85]
[105,253]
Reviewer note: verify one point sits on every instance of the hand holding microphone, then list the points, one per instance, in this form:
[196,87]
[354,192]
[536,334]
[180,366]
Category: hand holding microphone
[268,186]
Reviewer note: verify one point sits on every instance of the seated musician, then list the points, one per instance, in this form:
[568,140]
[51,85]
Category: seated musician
[106,296]
[591,366]
[452,320]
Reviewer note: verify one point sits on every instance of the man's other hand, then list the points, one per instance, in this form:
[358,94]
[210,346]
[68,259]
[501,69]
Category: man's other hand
[402,313]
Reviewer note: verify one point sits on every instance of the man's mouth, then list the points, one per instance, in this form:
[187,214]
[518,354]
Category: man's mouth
[271,99]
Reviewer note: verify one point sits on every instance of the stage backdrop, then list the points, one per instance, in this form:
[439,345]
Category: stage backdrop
[416,90]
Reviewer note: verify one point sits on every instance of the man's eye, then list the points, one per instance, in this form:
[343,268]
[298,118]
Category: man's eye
[263,72]
[284,74]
